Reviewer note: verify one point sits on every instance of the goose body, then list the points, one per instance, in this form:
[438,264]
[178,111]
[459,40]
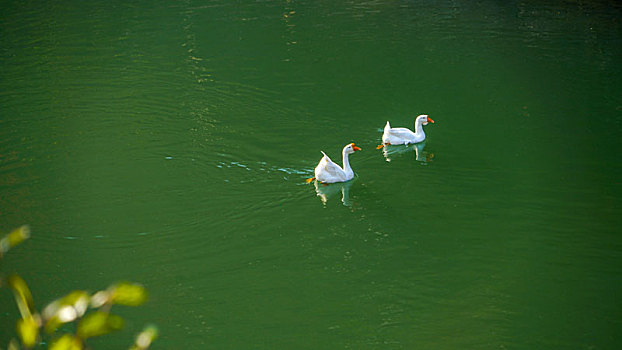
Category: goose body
[404,136]
[328,171]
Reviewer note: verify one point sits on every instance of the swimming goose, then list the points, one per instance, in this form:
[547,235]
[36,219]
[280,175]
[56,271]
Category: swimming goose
[328,171]
[403,136]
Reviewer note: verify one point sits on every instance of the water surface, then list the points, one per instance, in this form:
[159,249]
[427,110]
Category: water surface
[168,143]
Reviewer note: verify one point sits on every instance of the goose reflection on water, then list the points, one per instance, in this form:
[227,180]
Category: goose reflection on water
[390,151]
[326,191]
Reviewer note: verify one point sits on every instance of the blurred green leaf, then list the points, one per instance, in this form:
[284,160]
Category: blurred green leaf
[14,238]
[100,298]
[70,308]
[98,323]
[78,300]
[145,338]
[130,294]
[14,345]
[28,331]
[66,342]
[22,296]
[52,325]
[65,309]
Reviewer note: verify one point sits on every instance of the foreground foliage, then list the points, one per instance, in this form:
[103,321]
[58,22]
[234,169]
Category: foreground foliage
[88,315]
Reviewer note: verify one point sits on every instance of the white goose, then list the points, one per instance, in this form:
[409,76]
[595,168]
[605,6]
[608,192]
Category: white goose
[403,136]
[328,171]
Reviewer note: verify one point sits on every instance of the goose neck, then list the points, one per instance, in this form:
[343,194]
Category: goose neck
[346,162]
[419,128]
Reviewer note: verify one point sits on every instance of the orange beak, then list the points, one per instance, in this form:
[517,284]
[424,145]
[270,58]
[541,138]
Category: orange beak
[430,120]
[355,148]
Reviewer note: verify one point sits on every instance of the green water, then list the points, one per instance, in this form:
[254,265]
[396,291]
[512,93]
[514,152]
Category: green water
[167,142]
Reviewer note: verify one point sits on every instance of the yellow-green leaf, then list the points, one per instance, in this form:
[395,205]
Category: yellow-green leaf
[22,295]
[14,238]
[74,297]
[98,323]
[100,298]
[28,331]
[52,325]
[65,309]
[66,342]
[129,294]
[19,235]
[14,344]
[145,338]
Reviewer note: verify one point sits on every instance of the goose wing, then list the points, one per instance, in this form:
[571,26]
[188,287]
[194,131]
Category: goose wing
[400,132]
[327,170]
[394,135]
[387,127]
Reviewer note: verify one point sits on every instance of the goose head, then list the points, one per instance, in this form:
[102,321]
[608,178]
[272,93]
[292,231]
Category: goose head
[423,120]
[350,148]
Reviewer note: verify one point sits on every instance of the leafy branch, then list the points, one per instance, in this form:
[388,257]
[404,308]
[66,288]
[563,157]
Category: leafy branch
[89,313]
